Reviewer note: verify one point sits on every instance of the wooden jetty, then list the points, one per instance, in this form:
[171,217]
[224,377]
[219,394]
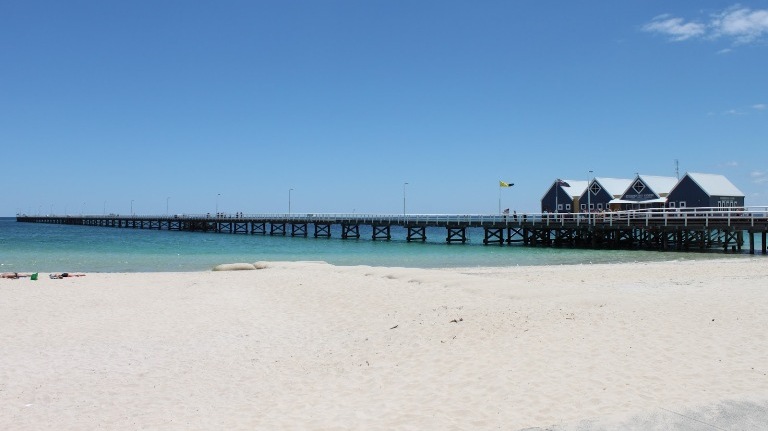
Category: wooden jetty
[690,229]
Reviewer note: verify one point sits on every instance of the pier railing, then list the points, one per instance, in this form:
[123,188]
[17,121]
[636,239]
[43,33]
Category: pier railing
[661,229]
[741,216]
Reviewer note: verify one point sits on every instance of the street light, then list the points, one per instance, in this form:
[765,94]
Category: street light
[217,204]
[404,184]
[289,201]
[589,198]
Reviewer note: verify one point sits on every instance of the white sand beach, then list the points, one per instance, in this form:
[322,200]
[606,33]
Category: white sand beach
[313,346]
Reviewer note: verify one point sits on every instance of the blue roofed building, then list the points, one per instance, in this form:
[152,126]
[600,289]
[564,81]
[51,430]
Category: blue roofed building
[696,190]
[601,191]
[645,191]
[563,196]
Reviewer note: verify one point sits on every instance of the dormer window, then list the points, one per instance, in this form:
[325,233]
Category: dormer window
[638,187]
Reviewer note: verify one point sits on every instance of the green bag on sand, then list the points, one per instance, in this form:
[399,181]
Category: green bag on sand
[33,276]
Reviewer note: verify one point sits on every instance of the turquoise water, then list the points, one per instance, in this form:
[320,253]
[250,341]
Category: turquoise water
[32,247]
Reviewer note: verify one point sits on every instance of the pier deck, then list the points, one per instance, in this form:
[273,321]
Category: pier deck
[691,229]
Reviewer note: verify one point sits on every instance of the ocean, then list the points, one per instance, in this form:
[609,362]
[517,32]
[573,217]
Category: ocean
[35,247]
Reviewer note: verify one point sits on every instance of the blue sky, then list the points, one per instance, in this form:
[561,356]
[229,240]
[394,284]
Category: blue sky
[194,105]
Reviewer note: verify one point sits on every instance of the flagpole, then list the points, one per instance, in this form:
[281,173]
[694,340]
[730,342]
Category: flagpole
[502,184]
[499,198]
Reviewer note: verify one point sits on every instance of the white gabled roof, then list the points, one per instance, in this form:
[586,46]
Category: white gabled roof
[576,187]
[614,186]
[715,185]
[658,184]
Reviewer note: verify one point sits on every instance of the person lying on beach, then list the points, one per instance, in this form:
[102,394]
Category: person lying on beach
[66,274]
[13,275]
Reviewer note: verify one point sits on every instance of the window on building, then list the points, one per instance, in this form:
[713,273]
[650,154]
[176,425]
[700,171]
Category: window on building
[567,207]
[591,207]
[559,207]
[599,206]
[583,207]
[595,188]
[682,204]
[671,204]
[638,187]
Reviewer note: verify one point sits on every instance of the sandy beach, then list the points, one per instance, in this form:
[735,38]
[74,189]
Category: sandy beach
[313,346]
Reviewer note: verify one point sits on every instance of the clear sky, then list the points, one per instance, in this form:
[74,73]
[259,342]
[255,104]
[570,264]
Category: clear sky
[193,105]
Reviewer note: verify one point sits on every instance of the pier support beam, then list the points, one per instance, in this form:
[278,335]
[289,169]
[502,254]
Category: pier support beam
[260,228]
[323,229]
[416,233]
[277,229]
[298,229]
[240,227]
[350,231]
[456,234]
[515,235]
[736,237]
[563,237]
[381,232]
[540,236]
[494,235]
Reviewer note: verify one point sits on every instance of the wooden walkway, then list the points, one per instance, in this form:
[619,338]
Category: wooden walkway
[697,229]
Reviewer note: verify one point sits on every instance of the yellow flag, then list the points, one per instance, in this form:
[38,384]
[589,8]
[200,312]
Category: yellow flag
[503,184]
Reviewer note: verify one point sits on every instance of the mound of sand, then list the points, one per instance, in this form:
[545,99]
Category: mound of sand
[234,267]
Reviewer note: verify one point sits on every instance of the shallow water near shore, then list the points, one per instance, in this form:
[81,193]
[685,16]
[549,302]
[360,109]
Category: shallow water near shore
[32,247]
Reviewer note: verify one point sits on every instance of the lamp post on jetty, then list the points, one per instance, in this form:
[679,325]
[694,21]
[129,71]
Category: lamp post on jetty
[589,198]
[289,201]
[404,184]
[217,204]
